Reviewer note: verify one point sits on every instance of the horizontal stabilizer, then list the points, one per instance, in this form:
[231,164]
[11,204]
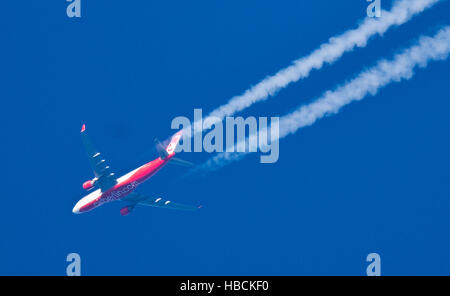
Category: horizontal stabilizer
[161,150]
[181,162]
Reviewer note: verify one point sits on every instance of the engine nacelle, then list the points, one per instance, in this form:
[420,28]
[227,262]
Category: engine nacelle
[88,185]
[126,210]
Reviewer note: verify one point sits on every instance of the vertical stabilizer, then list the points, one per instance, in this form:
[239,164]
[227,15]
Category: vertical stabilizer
[170,149]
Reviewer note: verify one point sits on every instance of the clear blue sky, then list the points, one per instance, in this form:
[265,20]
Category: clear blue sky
[374,178]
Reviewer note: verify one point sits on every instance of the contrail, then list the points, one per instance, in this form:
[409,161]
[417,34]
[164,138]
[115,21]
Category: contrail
[401,12]
[369,82]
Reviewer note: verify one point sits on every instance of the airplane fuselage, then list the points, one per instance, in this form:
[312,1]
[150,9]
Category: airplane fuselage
[125,185]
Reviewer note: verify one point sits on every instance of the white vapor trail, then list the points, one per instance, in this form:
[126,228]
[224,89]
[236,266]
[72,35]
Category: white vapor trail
[369,82]
[401,12]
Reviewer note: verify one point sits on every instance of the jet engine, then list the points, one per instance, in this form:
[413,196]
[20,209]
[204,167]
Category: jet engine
[88,185]
[126,210]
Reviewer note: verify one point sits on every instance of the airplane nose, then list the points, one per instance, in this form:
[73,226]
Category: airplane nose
[76,209]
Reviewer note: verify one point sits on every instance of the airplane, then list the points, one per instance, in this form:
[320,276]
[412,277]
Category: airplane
[123,188]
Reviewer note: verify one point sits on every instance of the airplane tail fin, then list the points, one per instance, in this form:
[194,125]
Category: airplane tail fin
[161,150]
[170,149]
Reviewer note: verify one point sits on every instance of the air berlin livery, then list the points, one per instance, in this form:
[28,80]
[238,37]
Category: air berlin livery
[111,189]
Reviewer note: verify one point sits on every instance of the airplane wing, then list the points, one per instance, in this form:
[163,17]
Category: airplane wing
[144,200]
[105,179]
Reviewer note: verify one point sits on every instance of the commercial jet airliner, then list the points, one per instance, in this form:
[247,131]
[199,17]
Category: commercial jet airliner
[123,188]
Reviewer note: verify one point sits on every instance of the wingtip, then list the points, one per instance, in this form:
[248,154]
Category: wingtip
[83,128]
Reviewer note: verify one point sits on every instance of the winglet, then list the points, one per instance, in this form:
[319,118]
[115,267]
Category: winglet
[83,128]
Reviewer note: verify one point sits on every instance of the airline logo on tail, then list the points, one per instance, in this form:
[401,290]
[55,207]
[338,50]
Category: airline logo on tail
[173,143]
